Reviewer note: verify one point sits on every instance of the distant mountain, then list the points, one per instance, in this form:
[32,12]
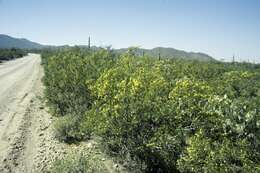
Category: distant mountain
[171,53]
[11,42]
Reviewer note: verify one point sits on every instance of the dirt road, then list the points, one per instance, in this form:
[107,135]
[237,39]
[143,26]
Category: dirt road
[25,141]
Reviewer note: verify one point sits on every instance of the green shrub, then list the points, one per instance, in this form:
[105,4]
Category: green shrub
[131,109]
[67,79]
[68,76]
[9,54]
[205,154]
[71,128]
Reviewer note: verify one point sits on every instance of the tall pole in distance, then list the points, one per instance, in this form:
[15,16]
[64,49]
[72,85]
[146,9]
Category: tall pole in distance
[159,55]
[89,42]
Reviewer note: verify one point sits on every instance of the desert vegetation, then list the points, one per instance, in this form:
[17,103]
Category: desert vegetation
[9,54]
[166,115]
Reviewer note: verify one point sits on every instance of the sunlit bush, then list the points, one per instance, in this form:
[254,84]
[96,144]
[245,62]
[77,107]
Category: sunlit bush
[169,115]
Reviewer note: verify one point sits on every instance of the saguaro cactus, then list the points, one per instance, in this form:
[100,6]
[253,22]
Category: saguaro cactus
[89,42]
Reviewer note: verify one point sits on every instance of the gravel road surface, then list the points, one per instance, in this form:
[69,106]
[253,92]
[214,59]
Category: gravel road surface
[26,141]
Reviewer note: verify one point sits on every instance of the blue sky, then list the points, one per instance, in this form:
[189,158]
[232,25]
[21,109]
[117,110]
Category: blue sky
[220,28]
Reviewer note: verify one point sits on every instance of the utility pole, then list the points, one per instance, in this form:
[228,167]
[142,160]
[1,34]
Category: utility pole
[233,59]
[159,56]
[89,42]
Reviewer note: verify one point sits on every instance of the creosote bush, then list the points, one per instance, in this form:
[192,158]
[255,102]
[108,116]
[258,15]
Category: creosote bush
[71,129]
[171,115]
